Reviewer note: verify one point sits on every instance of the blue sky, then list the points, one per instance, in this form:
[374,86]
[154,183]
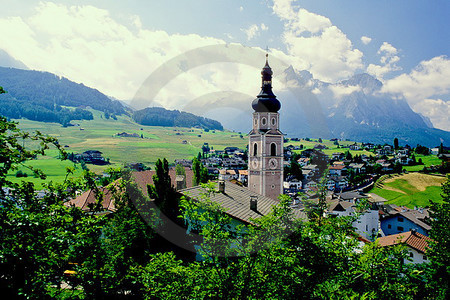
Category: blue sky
[115,45]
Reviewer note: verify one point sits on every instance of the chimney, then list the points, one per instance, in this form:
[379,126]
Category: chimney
[254,203]
[180,182]
[222,186]
[413,231]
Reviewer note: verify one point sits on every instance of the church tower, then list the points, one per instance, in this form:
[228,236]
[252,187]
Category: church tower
[265,148]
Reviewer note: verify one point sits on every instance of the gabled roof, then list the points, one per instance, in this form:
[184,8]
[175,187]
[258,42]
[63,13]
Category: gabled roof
[340,205]
[89,198]
[144,178]
[414,240]
[236,202]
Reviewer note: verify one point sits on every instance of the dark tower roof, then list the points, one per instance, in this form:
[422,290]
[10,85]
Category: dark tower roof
[266,101]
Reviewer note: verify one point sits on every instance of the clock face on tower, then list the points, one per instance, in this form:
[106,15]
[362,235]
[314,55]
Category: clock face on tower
[273,163]
[255,163]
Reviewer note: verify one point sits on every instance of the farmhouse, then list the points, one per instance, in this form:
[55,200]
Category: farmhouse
[417,244]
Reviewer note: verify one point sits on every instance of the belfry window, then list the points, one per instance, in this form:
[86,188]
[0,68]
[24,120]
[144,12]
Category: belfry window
[273,149]
[255,149]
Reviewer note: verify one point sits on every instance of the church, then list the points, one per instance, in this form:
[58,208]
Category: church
[265,148]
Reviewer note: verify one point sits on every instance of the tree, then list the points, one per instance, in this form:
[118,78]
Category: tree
[396,144]
[162,190]
[200,172]
[439,252]
[441,149]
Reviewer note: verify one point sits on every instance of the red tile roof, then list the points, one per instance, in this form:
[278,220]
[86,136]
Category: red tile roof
[414,240]
[88,199]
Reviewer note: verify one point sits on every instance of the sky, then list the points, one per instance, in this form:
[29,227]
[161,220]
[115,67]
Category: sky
[115,46]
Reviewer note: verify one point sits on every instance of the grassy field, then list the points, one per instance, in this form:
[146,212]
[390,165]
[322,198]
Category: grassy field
[413,189]
[332,147]
[428,160]
[101,134]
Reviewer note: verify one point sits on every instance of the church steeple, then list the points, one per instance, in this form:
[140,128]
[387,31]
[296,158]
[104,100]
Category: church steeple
[266,101]
[265,162]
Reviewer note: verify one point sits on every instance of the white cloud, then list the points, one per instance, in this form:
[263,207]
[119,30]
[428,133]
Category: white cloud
[437,110]
[85,44]
[429,79]
[365,40]
[316,43]
[254,30]
[388,60]
[343,90]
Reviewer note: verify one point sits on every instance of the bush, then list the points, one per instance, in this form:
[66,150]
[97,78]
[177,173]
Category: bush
[21,174]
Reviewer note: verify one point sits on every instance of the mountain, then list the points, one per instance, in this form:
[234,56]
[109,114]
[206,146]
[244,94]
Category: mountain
[354,109]
[8,61]
[158,116]
[43,96]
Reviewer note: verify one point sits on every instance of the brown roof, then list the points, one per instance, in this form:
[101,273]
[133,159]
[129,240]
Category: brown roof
[337,167]
[144,178]
[340,205]
[413,239]
[88,199]
[236,202]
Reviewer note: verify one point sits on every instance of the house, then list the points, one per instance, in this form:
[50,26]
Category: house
[231,150]
[367,223]
[225,174]
[292,186]
[354,147]
[319,146]
[88,200]
[416,243]
[187,163]
[434,151]
[243,176]
[368,146]
[357,168]
[337,156]
[403,159]
[307,174]
[304,161]
[401,220]
[337,170]
[310,185]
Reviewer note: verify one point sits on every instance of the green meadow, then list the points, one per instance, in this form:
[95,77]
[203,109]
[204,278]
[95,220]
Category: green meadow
[101,134]
[413,189]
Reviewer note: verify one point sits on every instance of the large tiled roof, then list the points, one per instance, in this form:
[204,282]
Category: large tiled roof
[144,178]
[236,202]
[412,239]
[89,198]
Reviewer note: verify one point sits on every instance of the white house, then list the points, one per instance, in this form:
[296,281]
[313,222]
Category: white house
[416,243]
[367,223]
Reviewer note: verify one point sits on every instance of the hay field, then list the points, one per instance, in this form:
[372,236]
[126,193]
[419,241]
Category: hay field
[413,189]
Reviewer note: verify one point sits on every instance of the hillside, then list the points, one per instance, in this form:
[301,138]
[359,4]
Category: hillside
[43,96]
[158,116]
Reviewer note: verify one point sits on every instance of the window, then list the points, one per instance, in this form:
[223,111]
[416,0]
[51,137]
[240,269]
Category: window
[274,121]
[273,149]
[400,219]
[255,149]
[411,255]
[400,228]
[263,121]
[273,186]
[389,226]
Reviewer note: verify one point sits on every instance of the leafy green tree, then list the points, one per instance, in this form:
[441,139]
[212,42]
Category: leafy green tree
[162,190]
[439,252]
[396,144]
[200,172]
